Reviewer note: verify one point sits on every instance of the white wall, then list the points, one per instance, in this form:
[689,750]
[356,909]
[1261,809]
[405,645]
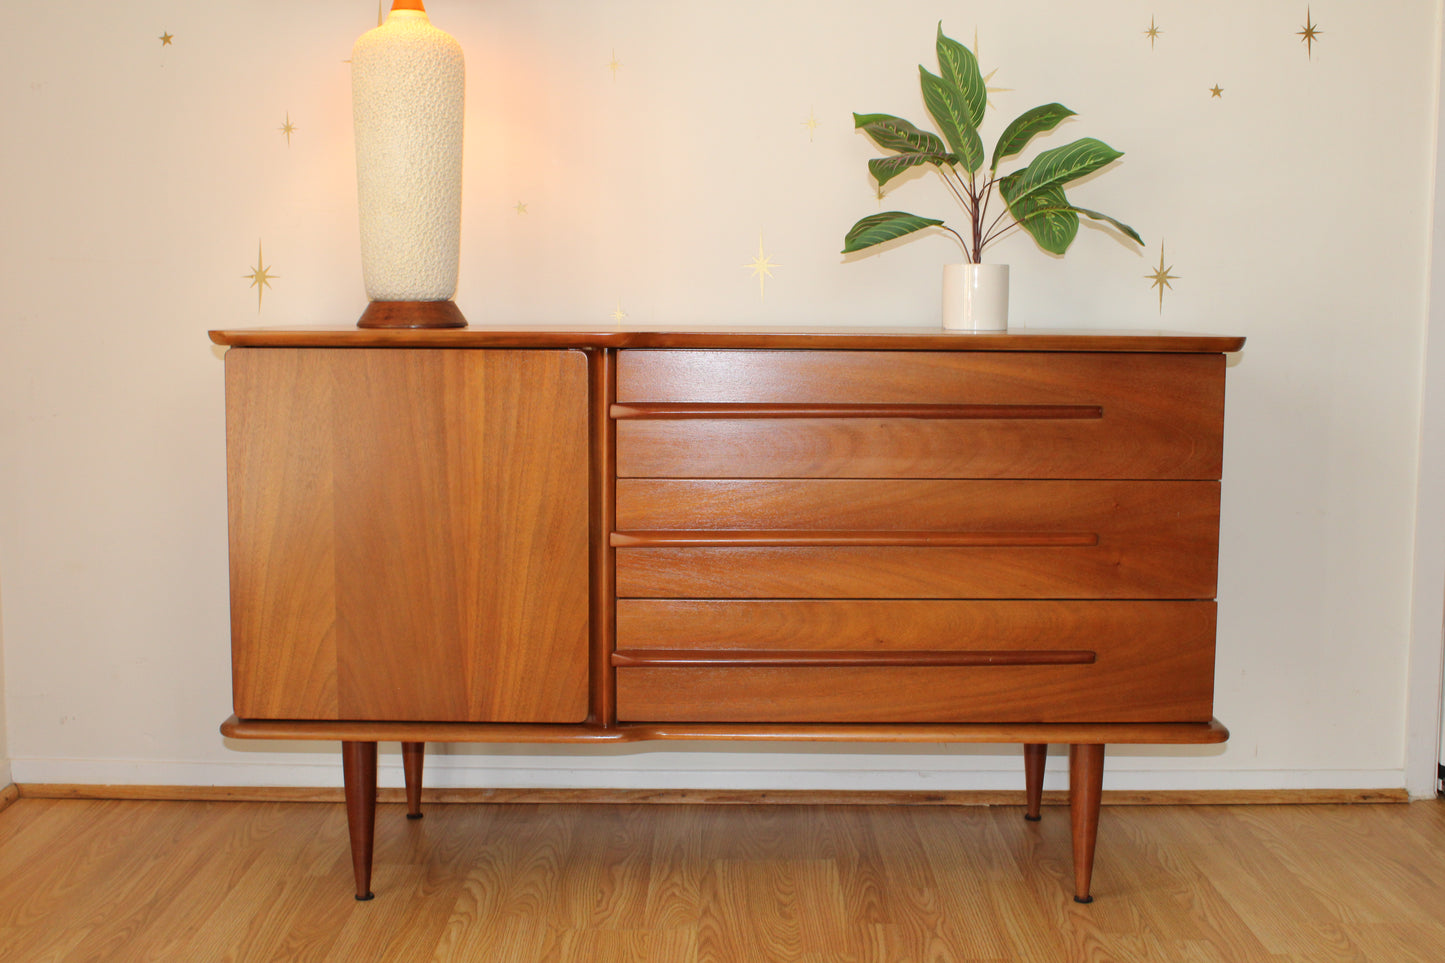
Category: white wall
[4,742]
[140,177]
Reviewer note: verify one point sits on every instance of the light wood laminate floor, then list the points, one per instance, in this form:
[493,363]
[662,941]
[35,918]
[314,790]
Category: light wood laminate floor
[200,881]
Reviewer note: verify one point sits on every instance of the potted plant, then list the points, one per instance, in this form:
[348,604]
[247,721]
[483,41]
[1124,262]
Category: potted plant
[975,294]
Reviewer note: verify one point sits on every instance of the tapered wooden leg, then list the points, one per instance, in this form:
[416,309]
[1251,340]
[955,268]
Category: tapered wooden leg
[412,754]
[1086,785]
[358,768]
[1034,757]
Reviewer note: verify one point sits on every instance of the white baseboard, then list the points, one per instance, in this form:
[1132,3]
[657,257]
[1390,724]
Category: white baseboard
[728,771]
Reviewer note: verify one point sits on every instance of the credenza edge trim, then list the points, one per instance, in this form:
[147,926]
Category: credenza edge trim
[1161,733]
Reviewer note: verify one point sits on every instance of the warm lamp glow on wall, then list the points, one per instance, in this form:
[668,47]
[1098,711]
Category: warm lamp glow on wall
[407,89]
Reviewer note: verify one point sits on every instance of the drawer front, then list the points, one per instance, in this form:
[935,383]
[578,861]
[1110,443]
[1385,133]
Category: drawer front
[826,414]
[916,539]
[749,629]
[880,661]
[1158,381]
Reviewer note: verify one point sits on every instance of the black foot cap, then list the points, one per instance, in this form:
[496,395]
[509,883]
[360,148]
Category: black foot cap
[1033,819]
[1083,899]
[415,815]
[363,899]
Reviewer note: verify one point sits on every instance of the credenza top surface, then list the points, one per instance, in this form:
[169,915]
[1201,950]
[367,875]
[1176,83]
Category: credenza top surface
[817,338]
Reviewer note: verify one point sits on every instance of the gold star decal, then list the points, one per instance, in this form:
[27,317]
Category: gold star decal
[520,208]
[988,91]
[288,128]
[1216,91]
[260,277]
[1152,33]
[762,268]
[165,39]
[619,314]
[1310,33]
[614,65]
[1161,278]
[811,123]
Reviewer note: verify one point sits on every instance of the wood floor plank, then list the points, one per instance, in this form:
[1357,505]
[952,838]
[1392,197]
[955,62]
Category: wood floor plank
[86,880]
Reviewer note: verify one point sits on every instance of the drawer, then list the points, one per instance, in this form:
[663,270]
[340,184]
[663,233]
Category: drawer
[889,661]
[844,538]
[845,414]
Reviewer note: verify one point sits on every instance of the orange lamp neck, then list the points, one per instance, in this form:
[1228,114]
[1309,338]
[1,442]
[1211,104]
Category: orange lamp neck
[408,5]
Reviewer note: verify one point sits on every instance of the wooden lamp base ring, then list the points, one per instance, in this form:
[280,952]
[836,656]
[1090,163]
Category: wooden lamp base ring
[412,314]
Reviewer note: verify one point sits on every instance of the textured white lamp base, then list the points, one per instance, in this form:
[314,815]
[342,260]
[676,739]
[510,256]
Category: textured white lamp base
[975,297]
[407,87]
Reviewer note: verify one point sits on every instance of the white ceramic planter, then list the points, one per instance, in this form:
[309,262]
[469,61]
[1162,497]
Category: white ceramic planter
[975,297]
[407,86]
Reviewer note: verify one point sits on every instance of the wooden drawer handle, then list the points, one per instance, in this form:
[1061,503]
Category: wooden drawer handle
[763,658]
[954,412]
[807,539]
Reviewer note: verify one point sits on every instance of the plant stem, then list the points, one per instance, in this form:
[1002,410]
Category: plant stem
[968,202]
[983,209]
[978,242]
[993,233]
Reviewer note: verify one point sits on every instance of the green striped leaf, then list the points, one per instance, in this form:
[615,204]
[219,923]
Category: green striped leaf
[1055,168]
[1128,231]
[1047,216]
[884,169]
[960,68]
[895,133]
[1025,127]
[945,103]
[888,226]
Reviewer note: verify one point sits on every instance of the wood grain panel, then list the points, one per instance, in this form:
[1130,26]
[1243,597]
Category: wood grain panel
[721,376]
[1149,652]
[279,457]
[1119,445]
[1153,539]
[874,625]
[1184,513]
[1160,668]
[455,489]
[1125,572]
[1162,415]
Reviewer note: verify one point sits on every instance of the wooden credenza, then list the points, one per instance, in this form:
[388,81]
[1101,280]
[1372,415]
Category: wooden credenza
[573,535]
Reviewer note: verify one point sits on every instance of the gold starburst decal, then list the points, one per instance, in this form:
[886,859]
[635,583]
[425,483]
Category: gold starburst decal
[811,123]
[288,128]
[165,39]
[1310,33]
[988,91]
[1216,91]
[618,314]
[260,277]
[614,64]
[762,268]
[520,208]
[1161,278]
[1152,33]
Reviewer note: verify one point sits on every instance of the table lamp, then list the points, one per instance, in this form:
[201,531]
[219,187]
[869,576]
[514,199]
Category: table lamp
[407,90]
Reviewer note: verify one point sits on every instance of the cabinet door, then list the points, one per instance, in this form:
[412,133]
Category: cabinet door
[409,534]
